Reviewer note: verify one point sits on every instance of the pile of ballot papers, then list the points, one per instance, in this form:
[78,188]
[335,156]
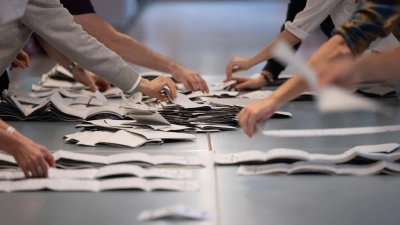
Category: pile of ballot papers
[360,161]
[120,119]
[94,173]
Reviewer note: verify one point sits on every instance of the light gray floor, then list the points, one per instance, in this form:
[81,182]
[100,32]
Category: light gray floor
[203,35]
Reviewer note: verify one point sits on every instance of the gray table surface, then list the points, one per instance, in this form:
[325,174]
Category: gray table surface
[298,199]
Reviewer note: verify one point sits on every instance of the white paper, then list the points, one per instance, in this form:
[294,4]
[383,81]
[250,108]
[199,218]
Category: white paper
[186,103]
[178,210]
[221,86]
[331,132]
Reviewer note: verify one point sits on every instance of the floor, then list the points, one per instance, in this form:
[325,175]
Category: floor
[202,35]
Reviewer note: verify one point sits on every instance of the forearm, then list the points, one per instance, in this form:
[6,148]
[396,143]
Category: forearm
[266,53]
[56,26]
[370,67]
[134,52]
[288,91]
[54,53]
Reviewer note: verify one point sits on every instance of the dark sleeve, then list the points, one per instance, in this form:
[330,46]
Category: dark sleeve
[4,82]
[78,7]
[372,19]
[294,7]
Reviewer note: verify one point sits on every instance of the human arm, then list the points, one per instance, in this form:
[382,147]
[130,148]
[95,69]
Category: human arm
[134,52]
[335,47]
[50,20]
[80,74]
[305,21]
[347,72]
[28,154]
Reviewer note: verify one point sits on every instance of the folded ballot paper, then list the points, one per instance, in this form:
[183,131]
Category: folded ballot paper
[118,170]
[176,211]
[379,167]
[131,183]
[73,160]
[371,152]
[360,160]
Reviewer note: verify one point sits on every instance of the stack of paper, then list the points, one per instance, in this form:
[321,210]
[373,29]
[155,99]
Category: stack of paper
[98,185]
[81,172]
[73,160]
[360,160]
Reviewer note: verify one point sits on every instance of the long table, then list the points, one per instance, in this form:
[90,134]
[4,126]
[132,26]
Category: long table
[284,200]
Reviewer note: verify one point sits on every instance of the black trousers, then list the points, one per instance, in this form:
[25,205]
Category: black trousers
[294,7]
[4,82]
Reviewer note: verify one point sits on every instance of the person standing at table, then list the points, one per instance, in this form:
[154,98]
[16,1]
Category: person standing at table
[273,68]
[51,21]
[127,47]
[335,47]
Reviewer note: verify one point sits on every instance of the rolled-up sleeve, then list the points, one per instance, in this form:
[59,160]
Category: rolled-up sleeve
[310,18]
[372,19]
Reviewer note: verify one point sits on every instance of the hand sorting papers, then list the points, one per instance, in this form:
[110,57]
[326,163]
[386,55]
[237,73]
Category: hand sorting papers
[331,98]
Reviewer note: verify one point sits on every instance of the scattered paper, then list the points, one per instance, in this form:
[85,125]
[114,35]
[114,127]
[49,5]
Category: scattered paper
[178,210]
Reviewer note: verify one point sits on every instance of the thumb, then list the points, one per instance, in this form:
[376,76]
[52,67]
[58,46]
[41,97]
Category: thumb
[92,85]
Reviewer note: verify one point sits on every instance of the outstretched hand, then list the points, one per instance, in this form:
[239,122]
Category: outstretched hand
[153,88]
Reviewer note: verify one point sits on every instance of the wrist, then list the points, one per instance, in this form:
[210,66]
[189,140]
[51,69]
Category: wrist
[261,80]
[143,86]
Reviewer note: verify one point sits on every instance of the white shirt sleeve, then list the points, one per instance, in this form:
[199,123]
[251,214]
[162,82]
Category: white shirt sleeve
[315,12]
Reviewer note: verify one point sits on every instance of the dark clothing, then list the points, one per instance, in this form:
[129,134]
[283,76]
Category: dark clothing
[78,7]
[4,82]
[294,7]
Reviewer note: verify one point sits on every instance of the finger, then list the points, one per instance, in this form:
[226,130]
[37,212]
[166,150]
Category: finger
[189,85]
[251,124]
[45,168]
[32,169]
[20,64]
[203,85]
[243,122]
[172,87]
[26,58]
[50,159]
[228,70]
[26,172]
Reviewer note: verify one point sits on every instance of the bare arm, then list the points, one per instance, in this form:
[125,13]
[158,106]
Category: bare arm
[134,52]
[262,110]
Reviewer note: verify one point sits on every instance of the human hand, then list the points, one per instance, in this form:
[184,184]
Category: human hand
[191,80]
[153,88]
[34,159]
[94,82]
[255,113]
[247,83]
[236,64]
[21,61]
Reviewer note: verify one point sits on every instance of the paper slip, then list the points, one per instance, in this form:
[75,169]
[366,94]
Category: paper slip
[299,155]
[128,157]
[186,103]
[213,94]
[330,98]
[101,97]
[97,186]
[106,171]
[331,132]
[221,86]
[178,210]
[324,168]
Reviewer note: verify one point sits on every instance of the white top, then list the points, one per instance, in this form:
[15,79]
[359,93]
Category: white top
[316,12]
